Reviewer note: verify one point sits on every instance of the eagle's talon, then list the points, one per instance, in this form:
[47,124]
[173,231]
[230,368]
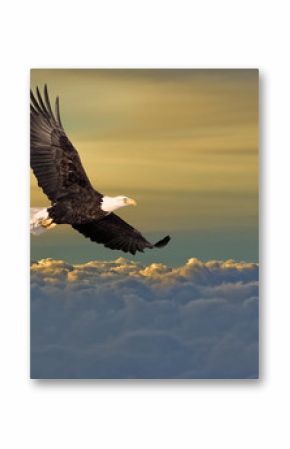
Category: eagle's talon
[46,223]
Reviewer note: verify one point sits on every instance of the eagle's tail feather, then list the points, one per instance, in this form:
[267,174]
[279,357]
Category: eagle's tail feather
[39,220]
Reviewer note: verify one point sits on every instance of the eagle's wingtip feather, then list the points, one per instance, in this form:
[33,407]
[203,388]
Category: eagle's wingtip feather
[162,242]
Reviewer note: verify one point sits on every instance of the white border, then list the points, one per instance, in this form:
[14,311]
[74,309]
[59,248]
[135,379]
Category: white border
[168,415]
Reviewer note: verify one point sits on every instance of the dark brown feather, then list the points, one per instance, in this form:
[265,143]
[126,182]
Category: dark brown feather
[115,233]
[54,161]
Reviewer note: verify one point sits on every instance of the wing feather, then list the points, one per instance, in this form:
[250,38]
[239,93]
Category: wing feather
[47,101]
[42,105]
[54,161]
[57,112]
[115,233]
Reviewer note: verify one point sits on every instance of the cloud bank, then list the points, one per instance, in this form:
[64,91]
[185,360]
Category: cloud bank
[122,319]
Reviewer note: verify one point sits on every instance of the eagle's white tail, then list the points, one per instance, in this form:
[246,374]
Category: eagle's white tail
[38,216]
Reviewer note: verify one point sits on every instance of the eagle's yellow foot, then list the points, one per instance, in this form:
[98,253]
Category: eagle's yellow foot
[46,223]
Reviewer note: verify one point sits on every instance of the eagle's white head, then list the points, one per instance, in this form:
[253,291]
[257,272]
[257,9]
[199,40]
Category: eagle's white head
[111,203]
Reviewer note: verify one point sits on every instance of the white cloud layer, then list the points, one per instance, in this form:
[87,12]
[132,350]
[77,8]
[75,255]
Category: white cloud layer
[121,319]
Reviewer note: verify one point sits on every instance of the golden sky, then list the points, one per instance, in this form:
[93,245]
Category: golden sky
[183,143]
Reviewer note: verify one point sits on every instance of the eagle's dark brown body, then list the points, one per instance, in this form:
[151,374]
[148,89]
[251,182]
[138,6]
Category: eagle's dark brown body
[59,172]
[77,208]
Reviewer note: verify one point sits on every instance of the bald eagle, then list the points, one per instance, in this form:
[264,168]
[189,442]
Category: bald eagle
[74,201]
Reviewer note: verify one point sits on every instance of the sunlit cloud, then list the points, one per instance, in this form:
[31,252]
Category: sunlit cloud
[123,319]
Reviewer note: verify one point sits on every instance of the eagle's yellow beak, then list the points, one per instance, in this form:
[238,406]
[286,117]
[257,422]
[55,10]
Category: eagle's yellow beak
[131,202]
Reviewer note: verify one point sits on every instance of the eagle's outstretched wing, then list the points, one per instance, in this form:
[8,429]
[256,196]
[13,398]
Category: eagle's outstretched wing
[115,233]
[54,161]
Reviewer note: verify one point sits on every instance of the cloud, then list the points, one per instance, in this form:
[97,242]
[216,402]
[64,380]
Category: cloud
[121,319]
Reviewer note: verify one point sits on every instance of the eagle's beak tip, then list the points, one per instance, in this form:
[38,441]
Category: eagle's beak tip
[132,202]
